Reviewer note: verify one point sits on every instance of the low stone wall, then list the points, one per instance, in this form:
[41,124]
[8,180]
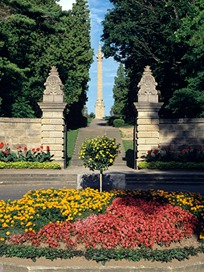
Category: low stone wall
[20,131]
[178,132]
[174,132]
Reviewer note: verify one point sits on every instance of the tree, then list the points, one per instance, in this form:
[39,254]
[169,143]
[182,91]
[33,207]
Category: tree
[81,57]
[120,93]
[99,153]
[189,101]
[140,33]
[33,37]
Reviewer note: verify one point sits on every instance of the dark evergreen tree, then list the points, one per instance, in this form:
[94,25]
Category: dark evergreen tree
[34,36]
[120,93]
[80,59]
[140,33]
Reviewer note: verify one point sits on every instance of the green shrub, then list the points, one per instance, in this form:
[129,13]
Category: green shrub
[100,255]
[29,165]
[171,165]
[118,123]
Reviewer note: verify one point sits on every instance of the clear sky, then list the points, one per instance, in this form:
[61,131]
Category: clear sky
[98,9]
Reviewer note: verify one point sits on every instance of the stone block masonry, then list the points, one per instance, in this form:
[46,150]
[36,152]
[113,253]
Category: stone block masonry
[153,131]
[20,131]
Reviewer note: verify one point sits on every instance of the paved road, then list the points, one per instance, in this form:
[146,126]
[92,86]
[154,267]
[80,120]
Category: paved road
[17,191]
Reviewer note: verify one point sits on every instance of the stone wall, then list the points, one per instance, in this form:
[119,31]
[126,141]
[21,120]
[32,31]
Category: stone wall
[20,131]
[178,132]
[153,131]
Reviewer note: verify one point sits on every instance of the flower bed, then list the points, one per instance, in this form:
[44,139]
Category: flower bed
[35,158]
[168,158]
[65,221]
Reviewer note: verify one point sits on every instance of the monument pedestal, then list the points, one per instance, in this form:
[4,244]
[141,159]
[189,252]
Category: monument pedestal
[99,108]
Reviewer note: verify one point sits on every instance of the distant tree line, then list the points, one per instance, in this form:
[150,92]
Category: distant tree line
[168,35]
[35,35]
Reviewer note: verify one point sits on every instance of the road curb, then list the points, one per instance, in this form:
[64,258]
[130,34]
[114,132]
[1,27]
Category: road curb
[12,267]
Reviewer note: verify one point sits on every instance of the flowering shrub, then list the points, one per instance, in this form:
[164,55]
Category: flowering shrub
[118,219]
[23,154]
[99,153]
[183,154]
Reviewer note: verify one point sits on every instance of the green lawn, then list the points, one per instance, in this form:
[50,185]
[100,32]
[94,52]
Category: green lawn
[71,141]
[128,145]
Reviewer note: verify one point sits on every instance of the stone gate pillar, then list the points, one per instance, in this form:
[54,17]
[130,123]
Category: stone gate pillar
[52,124]
[147,107]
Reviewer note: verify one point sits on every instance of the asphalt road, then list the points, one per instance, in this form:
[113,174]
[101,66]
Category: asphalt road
[17,191]
[13,192]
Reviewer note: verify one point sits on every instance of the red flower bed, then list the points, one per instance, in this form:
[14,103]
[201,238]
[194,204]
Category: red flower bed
[128,223]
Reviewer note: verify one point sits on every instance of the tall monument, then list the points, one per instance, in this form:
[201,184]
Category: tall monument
[99,106]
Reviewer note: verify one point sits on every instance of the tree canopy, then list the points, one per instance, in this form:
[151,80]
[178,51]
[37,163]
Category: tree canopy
[168,36]
[34,36]
[120,93]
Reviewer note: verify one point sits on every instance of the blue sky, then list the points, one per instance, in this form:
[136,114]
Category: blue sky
[98,9]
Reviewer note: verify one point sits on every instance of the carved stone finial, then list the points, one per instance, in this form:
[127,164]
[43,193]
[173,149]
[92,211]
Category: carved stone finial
[53,92]
[147,85]
[53,84]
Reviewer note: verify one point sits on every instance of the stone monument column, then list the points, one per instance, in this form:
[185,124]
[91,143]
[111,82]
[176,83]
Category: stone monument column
[52,125]
[147,107]
[99,106]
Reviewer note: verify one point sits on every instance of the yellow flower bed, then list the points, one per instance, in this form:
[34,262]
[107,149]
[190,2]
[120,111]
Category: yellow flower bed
[70,203]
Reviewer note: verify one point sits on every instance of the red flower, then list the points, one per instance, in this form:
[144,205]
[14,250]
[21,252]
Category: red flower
[6,152]
[33,149]
[48,148]
[41,147]
[1,145]
[25,148]
[155,151]
[38,149]
[149,152]
[19,147]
